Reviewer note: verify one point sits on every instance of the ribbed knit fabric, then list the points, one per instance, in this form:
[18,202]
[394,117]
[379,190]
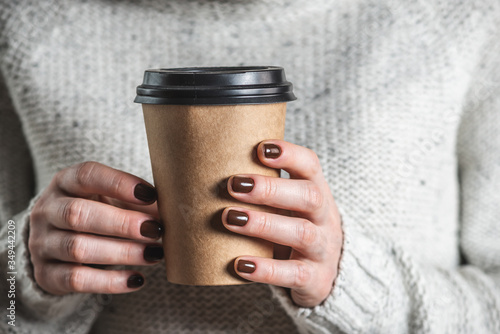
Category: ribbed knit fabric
[399,99]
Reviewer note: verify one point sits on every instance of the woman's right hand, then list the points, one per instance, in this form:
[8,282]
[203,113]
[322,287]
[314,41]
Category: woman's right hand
[93,214]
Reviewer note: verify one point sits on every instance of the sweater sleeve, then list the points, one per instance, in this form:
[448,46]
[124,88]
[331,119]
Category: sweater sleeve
[23,303]
[381,288]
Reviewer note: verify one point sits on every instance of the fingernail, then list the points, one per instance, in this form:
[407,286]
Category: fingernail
[145,193]
[151,229]
[245,266]
[153,253]
[272,151]
[135,281]
[242,184]
[237,218]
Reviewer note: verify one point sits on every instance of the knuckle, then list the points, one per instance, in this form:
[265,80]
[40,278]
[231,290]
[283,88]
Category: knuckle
[40,275]
[37,213]
[75,280]
[270,189]
[38,272]
[127,254]
[302,275]
[35,218]
[264,226]
[123,225]
[58,178]
[314,165]
[312,197]
[75,248]
[34,246]
[113,284]
[31,244]
[118,182]
[271,273]
[307,235]
[73,213]
[84,173]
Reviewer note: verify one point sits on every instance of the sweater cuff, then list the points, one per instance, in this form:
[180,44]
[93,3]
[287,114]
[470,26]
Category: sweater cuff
[361,290]
[41,304]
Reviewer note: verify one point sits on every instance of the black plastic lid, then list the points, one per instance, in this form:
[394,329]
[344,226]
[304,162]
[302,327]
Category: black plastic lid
[215,85]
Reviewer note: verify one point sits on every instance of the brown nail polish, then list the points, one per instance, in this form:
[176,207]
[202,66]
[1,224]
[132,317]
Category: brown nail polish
[151,229]
[242,184]
[237,218]
[272,151]
[145,193]
[153,253]
[245,266]
[135,281]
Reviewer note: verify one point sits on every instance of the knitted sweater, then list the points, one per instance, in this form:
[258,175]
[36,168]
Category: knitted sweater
[399,99]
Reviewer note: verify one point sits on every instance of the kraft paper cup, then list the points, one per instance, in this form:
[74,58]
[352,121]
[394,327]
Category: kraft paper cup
[203,125]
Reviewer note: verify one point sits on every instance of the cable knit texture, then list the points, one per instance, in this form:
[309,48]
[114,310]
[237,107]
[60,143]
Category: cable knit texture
[399,99]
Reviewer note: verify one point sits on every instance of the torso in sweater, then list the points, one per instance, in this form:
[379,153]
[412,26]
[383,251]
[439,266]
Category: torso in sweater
[380,92]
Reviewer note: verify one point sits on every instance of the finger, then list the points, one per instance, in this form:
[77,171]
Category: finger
[87,248]
[298,233]
[302,196]
[151,209]
[84,215]
[292,274]
[62,278]
[299,161]
[91,178]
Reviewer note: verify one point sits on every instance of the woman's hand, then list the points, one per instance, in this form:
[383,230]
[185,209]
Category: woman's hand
[313,231]
[93,214]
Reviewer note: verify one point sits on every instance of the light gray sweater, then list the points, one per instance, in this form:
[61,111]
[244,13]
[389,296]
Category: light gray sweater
[399,99]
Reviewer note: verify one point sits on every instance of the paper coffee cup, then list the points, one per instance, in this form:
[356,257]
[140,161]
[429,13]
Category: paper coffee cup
[203,125]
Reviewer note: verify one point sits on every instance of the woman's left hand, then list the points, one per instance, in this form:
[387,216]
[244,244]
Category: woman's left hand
[313,231]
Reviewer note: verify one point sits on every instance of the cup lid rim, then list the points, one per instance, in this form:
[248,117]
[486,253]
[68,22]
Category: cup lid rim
[224,85]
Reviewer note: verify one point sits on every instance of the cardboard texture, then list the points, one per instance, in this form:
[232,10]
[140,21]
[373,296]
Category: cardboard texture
[194,150]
